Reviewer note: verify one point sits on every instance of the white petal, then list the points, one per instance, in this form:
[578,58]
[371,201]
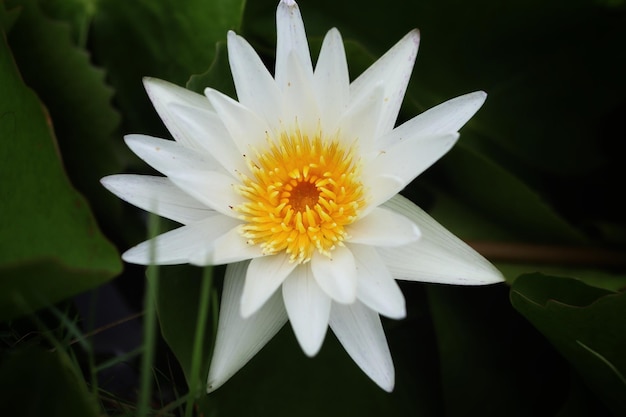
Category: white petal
[263,278]
[229,248]
[379,191]
[447,117]
[163,94]
[209,133]
[167,156]
[256,88]
[157,195]
[239,339]
[178,245]
[299,100]
[393,69]
[290,38]
[438,256]
[360,120]
[407,159]
[331,80]
[336,275]
[360,332]
[383,227]
[376,287]
[215,189]
[308,308]
[246,129]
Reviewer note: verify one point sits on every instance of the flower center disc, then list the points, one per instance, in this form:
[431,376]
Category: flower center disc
[301,194]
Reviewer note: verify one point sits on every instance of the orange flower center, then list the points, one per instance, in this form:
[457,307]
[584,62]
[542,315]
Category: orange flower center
[301,194]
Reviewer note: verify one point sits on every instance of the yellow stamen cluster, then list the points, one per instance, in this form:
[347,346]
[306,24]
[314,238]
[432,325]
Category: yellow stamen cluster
[302,193]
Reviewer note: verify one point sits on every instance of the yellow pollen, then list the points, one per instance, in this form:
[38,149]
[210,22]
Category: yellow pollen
[301,193]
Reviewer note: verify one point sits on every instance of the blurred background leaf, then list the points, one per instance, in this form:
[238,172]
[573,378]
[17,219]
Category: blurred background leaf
[51,247]
[35,382]
[585,324]
[167,39]
[79,103]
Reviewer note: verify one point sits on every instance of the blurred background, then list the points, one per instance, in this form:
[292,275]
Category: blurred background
[536,184]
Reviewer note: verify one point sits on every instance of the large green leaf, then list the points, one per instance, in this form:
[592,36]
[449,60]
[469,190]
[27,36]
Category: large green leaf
[35,382]
[51,247]
[167,39]
[79,102]
[585,324]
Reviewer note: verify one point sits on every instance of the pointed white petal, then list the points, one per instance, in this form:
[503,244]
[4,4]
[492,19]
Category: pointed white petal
[360,332]
[229,248]
[393,69]
[209,133]
[383,227]
[379,191]
[336,275]
[263,278]
[447,117]
[212,188]
[178,245]
[360,120]
[376,287]
[407,159]
[246,129]
[157,195]
[163,94]
[438,256]
[299,100]
[239,339]
[167,156]
[308,308]
[290,38]
[256,88]
[331,80]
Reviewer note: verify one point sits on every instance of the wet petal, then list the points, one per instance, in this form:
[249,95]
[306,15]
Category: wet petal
[360,332]
[336,275]
[157,195]
[308,308]
[438,256]
[239,339]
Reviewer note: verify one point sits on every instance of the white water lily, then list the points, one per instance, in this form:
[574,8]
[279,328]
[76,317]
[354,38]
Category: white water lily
[295,186]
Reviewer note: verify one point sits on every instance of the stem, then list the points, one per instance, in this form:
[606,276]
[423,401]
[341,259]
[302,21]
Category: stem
[195,383]
[149,324]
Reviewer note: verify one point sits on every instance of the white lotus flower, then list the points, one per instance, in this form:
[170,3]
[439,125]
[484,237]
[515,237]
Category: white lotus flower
[295,186]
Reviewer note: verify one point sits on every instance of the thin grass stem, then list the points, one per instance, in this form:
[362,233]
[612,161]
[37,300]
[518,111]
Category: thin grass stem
[149,324]
[195,382]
